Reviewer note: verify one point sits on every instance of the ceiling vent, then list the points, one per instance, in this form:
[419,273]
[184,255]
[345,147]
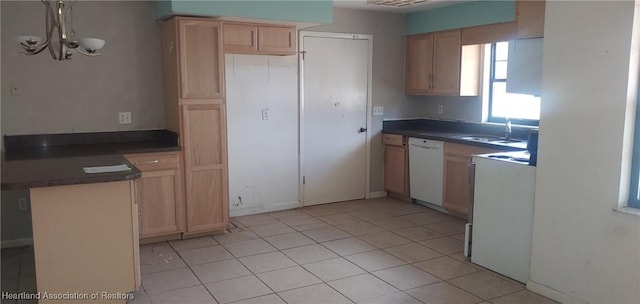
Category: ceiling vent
[394,3]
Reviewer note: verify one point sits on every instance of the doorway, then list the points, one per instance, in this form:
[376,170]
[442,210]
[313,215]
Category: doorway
[335,99]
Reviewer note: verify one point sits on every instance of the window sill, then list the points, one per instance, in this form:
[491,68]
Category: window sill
[628,210]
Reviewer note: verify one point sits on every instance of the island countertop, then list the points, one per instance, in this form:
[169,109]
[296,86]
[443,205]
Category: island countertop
[32,161]
[47,172]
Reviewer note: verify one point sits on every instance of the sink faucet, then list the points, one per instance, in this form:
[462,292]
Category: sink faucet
[507,129]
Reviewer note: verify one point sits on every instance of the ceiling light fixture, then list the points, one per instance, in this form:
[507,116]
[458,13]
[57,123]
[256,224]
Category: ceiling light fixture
[396,3]
[56,15]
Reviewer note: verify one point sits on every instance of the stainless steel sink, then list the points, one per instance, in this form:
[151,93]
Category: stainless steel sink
[489,139]
[482,138]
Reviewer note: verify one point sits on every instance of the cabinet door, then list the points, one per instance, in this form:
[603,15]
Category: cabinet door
[201,59]
[204,132]
[158,194]
[277,40]
[418,64]
[395,170]
[446,63]
[457,188]
[240,38]
[530,18]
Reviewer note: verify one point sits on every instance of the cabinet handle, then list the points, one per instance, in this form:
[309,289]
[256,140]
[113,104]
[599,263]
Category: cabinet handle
[430,81]
[155,161]
[426,148]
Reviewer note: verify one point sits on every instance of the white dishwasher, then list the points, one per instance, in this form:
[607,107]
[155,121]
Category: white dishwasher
[426,160]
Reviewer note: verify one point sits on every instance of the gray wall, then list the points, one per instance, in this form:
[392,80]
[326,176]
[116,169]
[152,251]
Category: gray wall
[83,94]
[467,108]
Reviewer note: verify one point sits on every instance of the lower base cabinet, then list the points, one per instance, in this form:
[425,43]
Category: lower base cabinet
[85,241]
[457,179]
[159,193]
[396,166]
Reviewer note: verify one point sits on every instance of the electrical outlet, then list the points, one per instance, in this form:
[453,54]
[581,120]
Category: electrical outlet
[124,117]
[440,109]
[265,114]
[15,91]
[378,111]
[22,204]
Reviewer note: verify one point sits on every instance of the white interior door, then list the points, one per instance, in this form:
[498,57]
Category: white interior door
[334,118]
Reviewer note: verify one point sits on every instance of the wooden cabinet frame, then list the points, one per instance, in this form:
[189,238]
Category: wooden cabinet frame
[159,193]
[205,164]
[259,39]
[396,166]
[193,51]
[432,63]
[457,181]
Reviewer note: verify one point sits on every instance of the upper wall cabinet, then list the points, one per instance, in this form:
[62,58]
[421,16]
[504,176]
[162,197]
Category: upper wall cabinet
[530,18]
[246,38]
[437,64]
[200,59]
[433,63]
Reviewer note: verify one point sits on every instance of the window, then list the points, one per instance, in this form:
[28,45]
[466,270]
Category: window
[519,108]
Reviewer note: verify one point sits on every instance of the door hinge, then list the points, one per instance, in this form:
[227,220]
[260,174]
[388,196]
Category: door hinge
[303,53]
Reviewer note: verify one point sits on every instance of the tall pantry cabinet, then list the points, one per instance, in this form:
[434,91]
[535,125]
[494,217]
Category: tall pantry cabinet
[193,62]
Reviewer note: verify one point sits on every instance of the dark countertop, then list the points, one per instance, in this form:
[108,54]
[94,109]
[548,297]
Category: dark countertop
[452,131]
[58,159]
[46,172]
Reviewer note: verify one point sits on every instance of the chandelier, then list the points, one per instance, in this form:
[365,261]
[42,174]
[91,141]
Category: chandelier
[57,13]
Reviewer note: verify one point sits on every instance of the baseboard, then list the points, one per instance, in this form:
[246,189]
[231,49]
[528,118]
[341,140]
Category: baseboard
[551,293]
[17,243]
[377,194]
[264,208]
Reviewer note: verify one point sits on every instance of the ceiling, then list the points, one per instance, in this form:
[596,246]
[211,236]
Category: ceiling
[427,5]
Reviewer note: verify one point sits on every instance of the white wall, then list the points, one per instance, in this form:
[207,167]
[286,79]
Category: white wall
[263,154]
[83,94]
[583,250]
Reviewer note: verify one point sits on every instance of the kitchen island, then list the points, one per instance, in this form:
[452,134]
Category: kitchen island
[85,225]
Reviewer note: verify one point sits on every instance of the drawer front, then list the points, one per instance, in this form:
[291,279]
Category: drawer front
[154,161]
[393,139]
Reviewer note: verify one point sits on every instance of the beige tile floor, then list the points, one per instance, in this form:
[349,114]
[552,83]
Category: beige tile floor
[367,251]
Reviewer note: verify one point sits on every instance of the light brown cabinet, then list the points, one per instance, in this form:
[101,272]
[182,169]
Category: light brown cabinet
[457,181]
[201,60]
[204,137]
[247,38]
[86,239]
[195,109]
[530,18]
[396,166]
[159,193]
[432,63]
[277,40]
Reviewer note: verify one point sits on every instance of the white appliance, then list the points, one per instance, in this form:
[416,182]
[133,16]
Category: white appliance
[502,224]
[426,160]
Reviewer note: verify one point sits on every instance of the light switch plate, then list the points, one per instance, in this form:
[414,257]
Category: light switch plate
[124,117]
[378,111]
[265,114]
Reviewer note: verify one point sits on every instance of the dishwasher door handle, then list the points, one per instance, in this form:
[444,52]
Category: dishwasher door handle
[425,147]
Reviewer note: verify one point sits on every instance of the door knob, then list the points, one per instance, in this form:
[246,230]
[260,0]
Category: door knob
[362,130]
